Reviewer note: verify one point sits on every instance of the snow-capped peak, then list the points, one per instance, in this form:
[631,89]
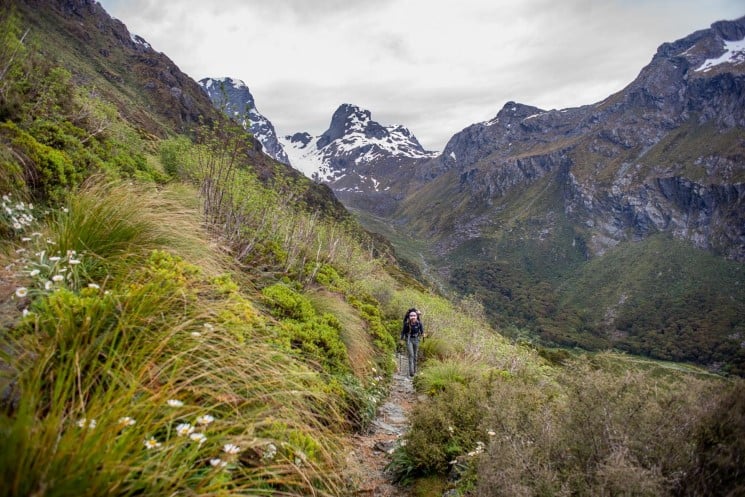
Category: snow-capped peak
[232,96]
[353,139]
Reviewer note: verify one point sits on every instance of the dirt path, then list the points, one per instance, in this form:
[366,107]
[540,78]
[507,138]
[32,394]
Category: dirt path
[372,450]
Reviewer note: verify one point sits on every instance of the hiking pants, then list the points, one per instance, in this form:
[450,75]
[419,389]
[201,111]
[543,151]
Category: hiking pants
[412,348]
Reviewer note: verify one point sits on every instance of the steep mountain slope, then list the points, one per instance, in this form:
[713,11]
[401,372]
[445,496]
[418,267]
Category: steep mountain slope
[147,88]
[145,85]
[663,155]
[234,98]
[516,206]
[192,330]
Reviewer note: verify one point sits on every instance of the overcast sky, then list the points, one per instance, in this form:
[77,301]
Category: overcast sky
[435,66]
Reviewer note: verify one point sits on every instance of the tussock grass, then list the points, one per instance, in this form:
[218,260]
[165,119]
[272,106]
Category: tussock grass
[159,329]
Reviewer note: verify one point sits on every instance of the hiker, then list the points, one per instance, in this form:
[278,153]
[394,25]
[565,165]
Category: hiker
[412,332]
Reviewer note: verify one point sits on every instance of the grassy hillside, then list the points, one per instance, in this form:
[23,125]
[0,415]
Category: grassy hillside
[181,316]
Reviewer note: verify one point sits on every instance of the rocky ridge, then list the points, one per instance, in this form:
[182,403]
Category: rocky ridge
[233,97]
[631,165]
[144,84]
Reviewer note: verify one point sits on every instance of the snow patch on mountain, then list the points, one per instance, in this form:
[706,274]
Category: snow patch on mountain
[734,52]
[352,140]
[233,97]
[302,152]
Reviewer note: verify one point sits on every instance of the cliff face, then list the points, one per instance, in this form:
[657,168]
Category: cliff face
[233,97]
[666,154]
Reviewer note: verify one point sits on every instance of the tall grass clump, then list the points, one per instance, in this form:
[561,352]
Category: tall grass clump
[154,378]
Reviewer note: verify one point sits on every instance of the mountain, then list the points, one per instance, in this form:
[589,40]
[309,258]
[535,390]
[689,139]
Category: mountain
[185,321]
[357,157]
[663,155]
[517,210]
[145,85]
[234,98]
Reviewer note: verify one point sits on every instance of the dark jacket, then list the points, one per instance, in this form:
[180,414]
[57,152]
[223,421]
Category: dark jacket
[412,331]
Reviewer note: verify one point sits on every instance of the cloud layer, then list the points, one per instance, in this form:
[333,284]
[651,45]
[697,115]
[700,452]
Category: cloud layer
[435,66]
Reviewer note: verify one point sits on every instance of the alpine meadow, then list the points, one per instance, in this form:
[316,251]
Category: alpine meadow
[183,314]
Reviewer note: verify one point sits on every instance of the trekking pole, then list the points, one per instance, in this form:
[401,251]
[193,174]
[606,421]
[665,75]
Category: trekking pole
[400,359]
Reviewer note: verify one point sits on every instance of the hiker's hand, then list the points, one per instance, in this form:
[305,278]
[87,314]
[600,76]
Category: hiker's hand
[400,346]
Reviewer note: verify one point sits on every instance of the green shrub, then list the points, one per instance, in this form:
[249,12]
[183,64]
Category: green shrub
[175,156]
[286,303]
[595,432]
[443,428]
[52,170]
[327,276]
[720,448]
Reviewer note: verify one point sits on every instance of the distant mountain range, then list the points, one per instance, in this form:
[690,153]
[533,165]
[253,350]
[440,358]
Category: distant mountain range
[517,209]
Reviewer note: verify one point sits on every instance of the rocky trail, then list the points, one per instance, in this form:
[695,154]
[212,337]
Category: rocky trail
[372,449]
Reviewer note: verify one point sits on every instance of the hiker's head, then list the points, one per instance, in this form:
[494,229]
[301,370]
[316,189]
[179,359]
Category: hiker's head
[413,316]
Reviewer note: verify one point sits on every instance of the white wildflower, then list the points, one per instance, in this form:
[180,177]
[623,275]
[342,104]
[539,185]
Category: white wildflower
[73,262]
[151,443]
[270,452]
[217,462]
[198,437]
[87,423]
[231,449]
[205,419]
[34,272]
[184,429]
[175,403]
[126,421]
[93,285]
[21,292]
[196,334]
[57,278]
[48,285]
